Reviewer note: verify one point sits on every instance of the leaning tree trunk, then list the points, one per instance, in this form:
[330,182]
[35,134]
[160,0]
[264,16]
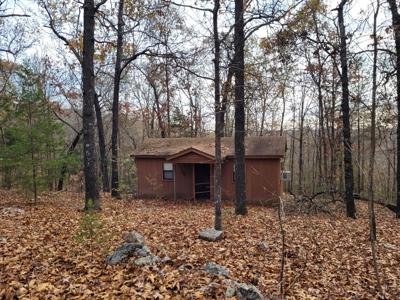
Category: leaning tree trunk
[64,166]
[102,145]
[115,105]
[240,169]
[396,28]
[347,160]
[88,83]
[218,120]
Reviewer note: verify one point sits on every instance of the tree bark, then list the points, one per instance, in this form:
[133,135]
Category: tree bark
[347,160]
[225,92]
[396,29]
[89,155]
[301,144]
[372,219]
[240,168]
[102,145]
[218,119]
[115,104]
[64,166]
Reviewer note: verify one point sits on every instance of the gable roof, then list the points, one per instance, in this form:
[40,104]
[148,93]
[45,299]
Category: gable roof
[259,146]
[190,150]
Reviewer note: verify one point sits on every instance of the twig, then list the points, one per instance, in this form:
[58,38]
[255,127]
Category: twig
[298,275]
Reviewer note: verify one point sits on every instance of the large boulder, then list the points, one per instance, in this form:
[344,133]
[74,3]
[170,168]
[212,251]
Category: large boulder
[216,270]
[133,237]
[122,253]
[211,235]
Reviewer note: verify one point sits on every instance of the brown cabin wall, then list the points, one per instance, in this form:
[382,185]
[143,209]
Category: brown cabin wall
[263,179]
[151,183]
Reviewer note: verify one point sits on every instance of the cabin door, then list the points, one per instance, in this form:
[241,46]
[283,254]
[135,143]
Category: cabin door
[202,181]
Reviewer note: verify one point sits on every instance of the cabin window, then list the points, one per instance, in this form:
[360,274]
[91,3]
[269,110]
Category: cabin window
[168,171]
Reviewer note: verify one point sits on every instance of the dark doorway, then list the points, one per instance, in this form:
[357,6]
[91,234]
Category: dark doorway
[202,181]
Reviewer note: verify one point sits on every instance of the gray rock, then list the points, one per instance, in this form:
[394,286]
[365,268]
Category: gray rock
[166,260]
[211,235]
[244,291]
[217,270]
[122,253]
[230,292]
[134,238]
[12,211]
[248,292]
[147,260]
[263,246]
[209,288]
[142,252]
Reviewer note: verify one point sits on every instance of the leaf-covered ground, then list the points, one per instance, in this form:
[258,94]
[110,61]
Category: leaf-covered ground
[327,257]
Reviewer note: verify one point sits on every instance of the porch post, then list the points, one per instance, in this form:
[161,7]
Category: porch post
[174,182]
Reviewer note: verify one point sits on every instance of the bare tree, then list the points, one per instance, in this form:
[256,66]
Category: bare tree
[218,118]
[240,171]
[88,83]
[372,219]
[396,28]
[347,160]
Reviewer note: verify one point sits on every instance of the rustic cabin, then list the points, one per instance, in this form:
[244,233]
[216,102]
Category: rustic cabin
[183,168]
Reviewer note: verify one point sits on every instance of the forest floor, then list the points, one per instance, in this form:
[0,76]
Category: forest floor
[327,255]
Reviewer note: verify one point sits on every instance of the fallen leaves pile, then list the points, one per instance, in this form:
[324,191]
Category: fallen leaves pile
[327,256]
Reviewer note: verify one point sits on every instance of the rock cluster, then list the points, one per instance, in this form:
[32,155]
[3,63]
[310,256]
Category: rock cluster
[242,291]
[216,270]
[134,247]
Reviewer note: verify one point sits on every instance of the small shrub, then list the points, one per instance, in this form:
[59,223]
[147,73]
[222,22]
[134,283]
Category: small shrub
[91,230]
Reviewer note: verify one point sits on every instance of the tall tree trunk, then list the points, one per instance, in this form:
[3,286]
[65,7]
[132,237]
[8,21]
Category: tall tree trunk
[115,104]
[226,88]
[158,111]
[333,139]
[284,105]
[347,160]
[301,138]
[319,81]
[359,170]
[102,145]
[64,166]
[372,219]
[167,87]
[396,28]
[240,168]
[88,83]
[218,120]
[292,146]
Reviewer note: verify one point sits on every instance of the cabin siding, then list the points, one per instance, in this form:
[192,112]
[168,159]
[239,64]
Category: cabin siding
[150,182]
[263,179]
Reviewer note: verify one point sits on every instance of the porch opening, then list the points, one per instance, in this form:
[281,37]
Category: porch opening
[202,181]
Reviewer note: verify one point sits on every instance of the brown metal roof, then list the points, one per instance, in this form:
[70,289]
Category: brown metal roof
[264,146]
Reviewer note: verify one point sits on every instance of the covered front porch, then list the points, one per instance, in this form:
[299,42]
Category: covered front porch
[193,174]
